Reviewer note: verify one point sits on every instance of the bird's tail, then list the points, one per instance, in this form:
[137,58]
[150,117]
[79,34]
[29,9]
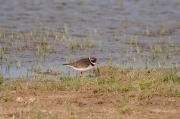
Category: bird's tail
[65,64]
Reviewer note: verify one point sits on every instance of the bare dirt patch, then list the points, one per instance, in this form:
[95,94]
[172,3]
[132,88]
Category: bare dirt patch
[86,104]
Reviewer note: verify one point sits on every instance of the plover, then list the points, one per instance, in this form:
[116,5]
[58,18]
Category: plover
[84,64]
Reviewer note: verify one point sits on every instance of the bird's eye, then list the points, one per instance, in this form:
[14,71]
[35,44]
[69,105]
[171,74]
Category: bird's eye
[93,60]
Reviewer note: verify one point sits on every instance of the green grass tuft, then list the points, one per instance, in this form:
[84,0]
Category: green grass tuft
[171,77]
[125,111]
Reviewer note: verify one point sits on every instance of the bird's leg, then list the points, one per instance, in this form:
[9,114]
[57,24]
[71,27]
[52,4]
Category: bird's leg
[81,74]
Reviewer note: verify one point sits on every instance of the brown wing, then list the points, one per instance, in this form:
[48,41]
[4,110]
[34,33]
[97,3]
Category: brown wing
[83,63]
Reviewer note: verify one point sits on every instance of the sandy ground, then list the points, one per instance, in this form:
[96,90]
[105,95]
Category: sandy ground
[32,104]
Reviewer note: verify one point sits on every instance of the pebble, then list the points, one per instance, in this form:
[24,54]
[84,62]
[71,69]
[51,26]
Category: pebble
[19,99]
[31,100]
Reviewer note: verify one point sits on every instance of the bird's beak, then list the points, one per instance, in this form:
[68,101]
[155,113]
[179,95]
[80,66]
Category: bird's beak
[97,62]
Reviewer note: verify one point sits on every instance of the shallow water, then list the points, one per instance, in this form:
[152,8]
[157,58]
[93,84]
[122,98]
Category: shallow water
[99,22]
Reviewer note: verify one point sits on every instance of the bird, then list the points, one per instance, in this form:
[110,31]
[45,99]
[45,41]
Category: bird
[84,64]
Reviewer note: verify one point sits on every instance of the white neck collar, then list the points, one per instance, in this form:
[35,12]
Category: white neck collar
[91,61]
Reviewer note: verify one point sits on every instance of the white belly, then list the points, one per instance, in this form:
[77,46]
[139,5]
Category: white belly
[83,69]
